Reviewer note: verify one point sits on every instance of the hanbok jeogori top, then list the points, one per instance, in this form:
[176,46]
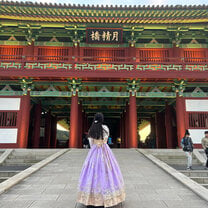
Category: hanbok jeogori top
[99,142]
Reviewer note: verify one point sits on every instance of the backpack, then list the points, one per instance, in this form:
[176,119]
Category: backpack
[187,144]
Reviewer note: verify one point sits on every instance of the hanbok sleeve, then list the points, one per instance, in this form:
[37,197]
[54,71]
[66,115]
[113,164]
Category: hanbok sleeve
[106,132]
[90,141]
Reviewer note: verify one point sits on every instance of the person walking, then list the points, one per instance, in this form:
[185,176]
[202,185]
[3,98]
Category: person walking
[101,182]
[205,146]
[187,146]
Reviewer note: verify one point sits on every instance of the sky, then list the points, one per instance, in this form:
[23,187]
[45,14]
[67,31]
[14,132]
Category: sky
[127,2]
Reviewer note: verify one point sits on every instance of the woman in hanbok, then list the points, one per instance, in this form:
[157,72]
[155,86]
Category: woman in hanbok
[101,182]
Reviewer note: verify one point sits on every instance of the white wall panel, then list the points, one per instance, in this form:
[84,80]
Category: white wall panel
[197,105]
[197,135]
[8,135]
[9,104]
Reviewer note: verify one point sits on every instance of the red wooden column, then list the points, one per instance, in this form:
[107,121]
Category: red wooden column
[133,142]
[160,130]
[85,127]
[48,119]
[153,130]
[76,51]
[24,122]
[176,53]
[73,140]
[132,52]
[123,130]
[127,127]
[29,52]
[157,130]
[80,129]
[152,126]
[168,126]
[53,132]
[180,118]
[36,131]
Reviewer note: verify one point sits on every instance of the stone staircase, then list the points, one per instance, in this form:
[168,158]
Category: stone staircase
[177,159]
[5,174]
[27,157]
[20,159]
[1,152]
[200,176]
[173,157]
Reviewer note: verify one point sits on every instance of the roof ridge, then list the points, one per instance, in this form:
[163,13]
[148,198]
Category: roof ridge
[83,6]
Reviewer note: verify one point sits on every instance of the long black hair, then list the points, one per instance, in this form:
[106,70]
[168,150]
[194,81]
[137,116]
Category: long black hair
[96,129]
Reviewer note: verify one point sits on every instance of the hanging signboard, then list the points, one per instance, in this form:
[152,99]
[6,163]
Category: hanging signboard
[100,35]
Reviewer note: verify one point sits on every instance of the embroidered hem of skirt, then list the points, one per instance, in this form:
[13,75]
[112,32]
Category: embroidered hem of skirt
[94,199]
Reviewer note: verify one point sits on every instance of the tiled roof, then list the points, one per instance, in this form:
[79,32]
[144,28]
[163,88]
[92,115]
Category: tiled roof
[68,13]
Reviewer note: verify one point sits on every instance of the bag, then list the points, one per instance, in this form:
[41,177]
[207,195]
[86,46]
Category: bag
[187,145]
[185,148]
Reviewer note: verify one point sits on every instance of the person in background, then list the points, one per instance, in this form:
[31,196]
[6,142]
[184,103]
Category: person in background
[187,146]
[86,143]
[205,146]
[110,143]
[118,142]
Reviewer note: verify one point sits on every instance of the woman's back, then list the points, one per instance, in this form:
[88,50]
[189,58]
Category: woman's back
[101,182]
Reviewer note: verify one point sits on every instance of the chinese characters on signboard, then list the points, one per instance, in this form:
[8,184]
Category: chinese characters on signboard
[97,35]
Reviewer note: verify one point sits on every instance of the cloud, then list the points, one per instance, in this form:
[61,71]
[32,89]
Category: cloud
[158,2]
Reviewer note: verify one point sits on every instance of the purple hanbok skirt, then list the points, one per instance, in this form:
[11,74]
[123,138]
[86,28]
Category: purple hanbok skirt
[101,182]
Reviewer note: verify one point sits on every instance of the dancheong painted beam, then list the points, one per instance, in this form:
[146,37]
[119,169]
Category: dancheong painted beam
[104,94]
[105,70]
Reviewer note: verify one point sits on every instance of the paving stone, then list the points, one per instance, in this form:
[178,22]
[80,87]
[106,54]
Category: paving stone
[55,185]
[16,204]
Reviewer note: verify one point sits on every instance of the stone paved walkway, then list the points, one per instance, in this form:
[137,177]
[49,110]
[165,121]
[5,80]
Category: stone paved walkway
[54,186]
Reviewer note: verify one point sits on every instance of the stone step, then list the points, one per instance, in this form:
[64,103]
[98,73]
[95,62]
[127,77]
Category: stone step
[181,162]
[178,159]
[3,179]
[17,164]
[18,160]
[173,156]
[205,185]
[201,180]
[195,173]
[33,153]
[8,173]
[39,157]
